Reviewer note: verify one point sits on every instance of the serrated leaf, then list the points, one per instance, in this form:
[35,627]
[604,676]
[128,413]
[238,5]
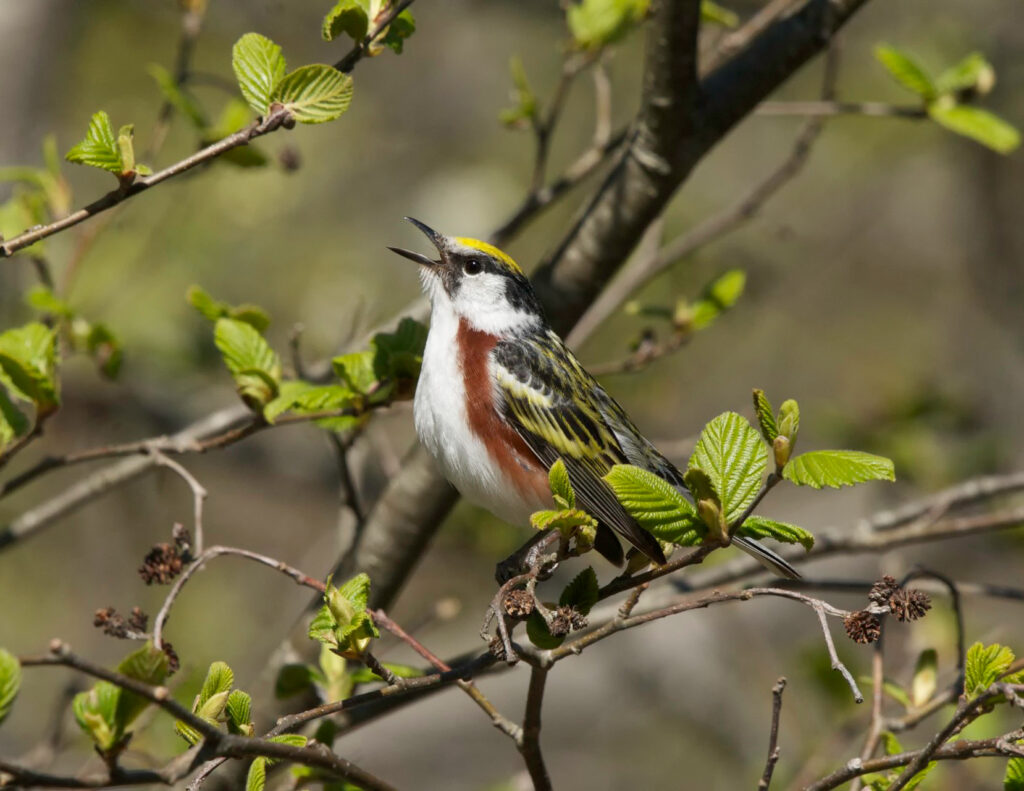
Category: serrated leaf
[765,416]
[984,665]
[582,592]
[564,519]
[315,94]
[972,73]
[760,527]
[837,468]
[303,398]
[99,149]
[561,486]
[539,634]
[239,713]
[979,125]
[596,23]
[906,71]
[256,779]
[732,453]
[321,628]
[294,739]
[10,682]
[655,504]
[259,67]
[177,96]
[219,679]
[925,677]
[148,665]
[1013,780]
[256,368]
[28,364]
[95,712]
[356,591]
[719,15]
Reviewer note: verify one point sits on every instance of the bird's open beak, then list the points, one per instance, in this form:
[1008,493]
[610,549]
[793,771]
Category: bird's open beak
[436,238]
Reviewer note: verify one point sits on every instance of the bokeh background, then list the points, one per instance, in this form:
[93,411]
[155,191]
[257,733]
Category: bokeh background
[884,292]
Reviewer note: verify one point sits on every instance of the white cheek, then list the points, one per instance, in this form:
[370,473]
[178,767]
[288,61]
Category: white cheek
[482,300]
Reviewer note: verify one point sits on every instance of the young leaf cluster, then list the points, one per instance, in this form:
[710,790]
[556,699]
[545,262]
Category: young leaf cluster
[102,149]
[105,711]
[311,94]
[218,703]
[949,98]
[331,679]
[986,664]
[356,18]
[343,623]
[566,518]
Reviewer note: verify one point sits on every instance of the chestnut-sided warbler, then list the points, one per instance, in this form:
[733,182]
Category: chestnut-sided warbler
[501,398]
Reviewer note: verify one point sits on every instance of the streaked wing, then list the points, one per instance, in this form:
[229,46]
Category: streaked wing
[560,411]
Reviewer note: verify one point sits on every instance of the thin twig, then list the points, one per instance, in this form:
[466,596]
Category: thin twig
[530,746]
[198,494]
[773,737]
[827,109]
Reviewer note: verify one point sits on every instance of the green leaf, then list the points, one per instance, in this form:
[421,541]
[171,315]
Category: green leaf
[906,71]
[398,31]
[256,780]
[765,416]
[718,296]
[357,370]
[256,368]
[41,298]
[315,94]
[596,23]
[148,665]
[984,665]
[126,147]
[732,453]
[561,486]
[1013,780]
[583,592]
[95,712]
[28,364]
[239,713]
[343,622]
[219,679]
[979,125]
[13,423]
[336,682]
[718,15]
[351,17]
[176,96]
[101,344]
[259,67]
[321,628]
[523,95]
[295,678]
[760,527]
[564,519]
[99,149]
[10,682]
[973,73]
[788,420]
[539,634]
[837,468]
[655,504]
[925,677]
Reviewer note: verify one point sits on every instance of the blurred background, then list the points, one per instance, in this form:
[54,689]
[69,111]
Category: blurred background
[884,291]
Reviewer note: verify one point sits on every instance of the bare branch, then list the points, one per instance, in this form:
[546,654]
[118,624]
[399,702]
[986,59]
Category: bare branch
[530,746]
[773,737]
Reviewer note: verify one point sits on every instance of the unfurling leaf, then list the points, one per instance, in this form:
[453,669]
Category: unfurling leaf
[256,368]
[342,623]
[10,682]
[303,398]
[355,18]
[364,675]
[13,423]
[314,94]
[979,125]
[760,527]
[256,779]
[596,23]
[566,519]
[525,100]
[906,71]
[765,416]
[837,468]
[656,505]
[259,67]
[239,713]
[1013,780]
[99,149]
[973,73]
[718,296]
[984,666]
[733,455]
[214,309]
[561,486]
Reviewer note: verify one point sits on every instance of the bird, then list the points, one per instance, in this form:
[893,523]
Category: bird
[501,398]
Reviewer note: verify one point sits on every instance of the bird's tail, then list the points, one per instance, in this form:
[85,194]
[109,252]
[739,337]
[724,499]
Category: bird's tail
[771,561]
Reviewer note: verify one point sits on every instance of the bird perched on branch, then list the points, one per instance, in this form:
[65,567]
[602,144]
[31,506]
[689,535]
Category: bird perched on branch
[501,398]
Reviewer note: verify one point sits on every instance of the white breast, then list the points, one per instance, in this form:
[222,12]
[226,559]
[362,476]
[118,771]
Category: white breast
[440,417]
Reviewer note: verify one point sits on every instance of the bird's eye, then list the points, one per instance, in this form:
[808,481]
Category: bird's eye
[472,267]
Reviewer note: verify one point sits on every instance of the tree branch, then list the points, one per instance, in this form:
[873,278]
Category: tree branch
[773,737]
